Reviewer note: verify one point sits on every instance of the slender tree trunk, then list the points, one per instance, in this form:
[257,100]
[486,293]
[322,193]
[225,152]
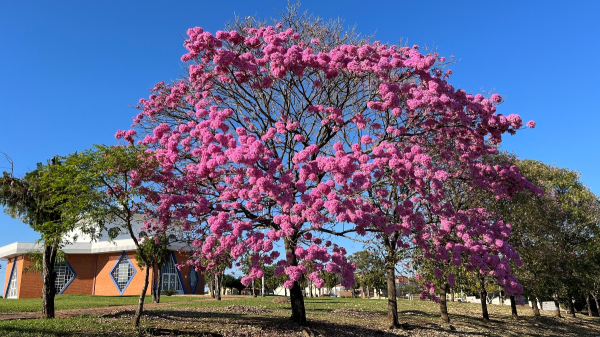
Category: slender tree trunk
[285,291]
[368,293]
[154,285]
[296,298]
[310,288]
[218,286]
[140,308]
[211,287]
[589,304]
[534,306]
[557,304]
[48,289]
[443,305]
[451,294]
[254,287]
[513,307]
[159,284]
[571,306]
[483,294]
[597,304]
[391,284]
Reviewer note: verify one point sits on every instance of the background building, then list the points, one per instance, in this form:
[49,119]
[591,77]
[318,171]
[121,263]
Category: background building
[101,267]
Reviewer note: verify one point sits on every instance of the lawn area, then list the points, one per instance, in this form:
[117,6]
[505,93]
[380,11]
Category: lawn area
[247,316]
[63,302]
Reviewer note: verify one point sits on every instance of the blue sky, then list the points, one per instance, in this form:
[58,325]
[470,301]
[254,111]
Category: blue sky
[69,70]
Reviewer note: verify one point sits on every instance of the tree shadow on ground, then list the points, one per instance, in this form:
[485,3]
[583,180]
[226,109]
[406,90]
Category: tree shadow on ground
[506,326]
[182,322]
[278,324]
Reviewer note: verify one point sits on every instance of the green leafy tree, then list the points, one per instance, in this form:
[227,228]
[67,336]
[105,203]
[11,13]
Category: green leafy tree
[118,175]
[271,281]
[36,258]
[54,205]
[555,232]
[156,251]
[231,282]
[331,279]
[370,270]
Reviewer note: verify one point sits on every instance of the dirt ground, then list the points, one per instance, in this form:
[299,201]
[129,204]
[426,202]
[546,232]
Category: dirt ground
[348,319]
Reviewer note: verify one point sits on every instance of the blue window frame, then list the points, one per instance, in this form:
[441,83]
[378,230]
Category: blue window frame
[194,279]
[65,274]
[122,273]
[171,276]
[11,289]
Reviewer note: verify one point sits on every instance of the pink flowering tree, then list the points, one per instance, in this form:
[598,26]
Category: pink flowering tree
[395,189]
[469,237]
[297,127]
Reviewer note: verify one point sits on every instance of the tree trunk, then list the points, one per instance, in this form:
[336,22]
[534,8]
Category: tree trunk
[297,301]
[296,298]
[285,291]
[218,287]
[391,285]
[49,289]
[597,304]
[140,308]
[513,307]
[154,285]
[534,306]
[310,288]
[159,284]
[451,295]
[211,287]
[443,305]
[254,287]
[483,294]
[571,306]
[589,304]
[557,304]
[368,292]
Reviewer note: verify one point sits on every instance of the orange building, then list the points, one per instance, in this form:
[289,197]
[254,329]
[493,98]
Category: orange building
[102,267]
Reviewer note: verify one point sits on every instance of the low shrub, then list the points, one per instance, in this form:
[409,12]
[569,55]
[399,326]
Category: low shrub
[168,292]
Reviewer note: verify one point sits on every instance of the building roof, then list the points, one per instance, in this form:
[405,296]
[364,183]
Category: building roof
[83,244]
[21,248]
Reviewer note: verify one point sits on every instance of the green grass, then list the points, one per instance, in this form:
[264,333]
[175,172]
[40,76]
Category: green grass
[60,327]
[247,316]
[80,302]
[317,304]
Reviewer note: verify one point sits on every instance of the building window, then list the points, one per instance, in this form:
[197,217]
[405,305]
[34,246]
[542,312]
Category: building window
[122,273]
[64,276]
[193,279]
[171,277]
[11,291]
